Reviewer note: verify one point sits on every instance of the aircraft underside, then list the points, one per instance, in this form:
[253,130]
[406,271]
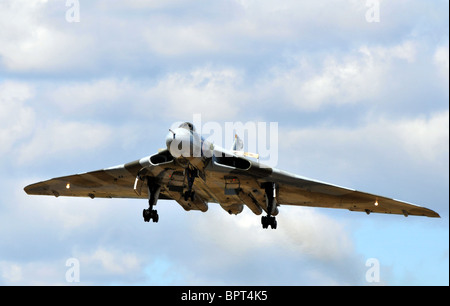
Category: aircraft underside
[193,172]
[194,189]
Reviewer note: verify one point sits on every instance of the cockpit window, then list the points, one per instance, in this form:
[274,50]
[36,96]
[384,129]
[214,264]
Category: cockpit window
[188,126]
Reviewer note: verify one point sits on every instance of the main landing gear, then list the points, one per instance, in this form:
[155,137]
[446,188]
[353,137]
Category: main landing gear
[153,194]
[271,205]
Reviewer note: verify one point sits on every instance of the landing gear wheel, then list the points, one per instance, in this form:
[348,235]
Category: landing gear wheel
[273,224]
[150,215]
[155,216]
[264,222]
[269,220]
[146,215]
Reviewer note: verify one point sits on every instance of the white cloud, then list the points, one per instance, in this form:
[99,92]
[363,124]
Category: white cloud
[293,19]
[424,139]
[322,238]
[31,43]
[216,93]
[144,4]
[112,262]
[232,249]
[176,40]
[406,50]
[303,234]
[238,27]
[96,95]
[16,117]
[357,77]
[213,92]
[10,272]
[441,60]
[419,142]
[345,82]
[43,213]
[54,138]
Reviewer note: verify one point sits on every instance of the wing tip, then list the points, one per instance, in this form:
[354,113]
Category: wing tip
[434,214]
[426,212]
[34,189]
[27,189]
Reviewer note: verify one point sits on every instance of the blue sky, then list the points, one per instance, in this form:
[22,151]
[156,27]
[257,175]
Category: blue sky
[362,105]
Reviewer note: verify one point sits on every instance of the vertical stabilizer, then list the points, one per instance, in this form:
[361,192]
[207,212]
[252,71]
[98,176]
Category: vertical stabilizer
[238,144]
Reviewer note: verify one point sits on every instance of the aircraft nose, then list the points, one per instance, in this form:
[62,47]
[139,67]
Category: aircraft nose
[177,142]
[180,143]
[169,138]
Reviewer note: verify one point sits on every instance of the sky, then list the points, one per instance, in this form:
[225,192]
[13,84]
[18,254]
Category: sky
[359,90]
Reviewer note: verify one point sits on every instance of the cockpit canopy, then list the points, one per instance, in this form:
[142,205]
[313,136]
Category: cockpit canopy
[188,126]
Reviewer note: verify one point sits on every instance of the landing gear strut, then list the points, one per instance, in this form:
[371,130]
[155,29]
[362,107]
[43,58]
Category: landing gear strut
[271,203]
[153,194]
[191,175]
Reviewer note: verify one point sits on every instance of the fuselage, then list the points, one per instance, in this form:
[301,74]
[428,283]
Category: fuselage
[187,146]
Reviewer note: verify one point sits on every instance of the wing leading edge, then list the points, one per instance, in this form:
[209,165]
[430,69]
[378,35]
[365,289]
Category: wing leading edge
[301,191]
[114,182]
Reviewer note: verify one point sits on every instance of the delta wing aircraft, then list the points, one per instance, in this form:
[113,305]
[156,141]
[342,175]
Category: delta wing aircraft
[194,172]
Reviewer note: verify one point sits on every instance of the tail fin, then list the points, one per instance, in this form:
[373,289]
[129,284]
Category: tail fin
[238,148]
[238,144]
